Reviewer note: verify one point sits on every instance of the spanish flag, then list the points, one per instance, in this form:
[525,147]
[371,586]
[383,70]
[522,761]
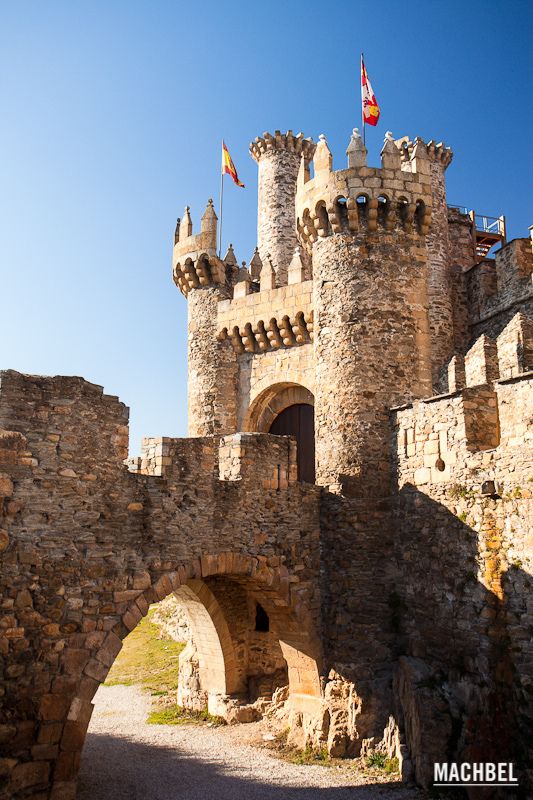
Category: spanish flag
[368,98]
[228,167]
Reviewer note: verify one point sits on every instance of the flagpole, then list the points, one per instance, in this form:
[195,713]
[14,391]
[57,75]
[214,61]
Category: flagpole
[221,199]
[362,106]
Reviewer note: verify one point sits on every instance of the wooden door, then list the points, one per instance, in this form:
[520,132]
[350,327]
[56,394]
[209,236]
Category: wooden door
[299,421]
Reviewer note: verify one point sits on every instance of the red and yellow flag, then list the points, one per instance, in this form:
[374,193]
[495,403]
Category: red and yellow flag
[228,167]
[368,99]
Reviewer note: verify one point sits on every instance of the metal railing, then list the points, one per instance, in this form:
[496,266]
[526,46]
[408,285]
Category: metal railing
[489,224]
[482,222]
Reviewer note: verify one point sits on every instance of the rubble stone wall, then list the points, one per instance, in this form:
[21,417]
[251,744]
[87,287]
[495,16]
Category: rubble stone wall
[464,563]
[87,546]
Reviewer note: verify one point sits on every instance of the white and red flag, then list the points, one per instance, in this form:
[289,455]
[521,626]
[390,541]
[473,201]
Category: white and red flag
[370,108]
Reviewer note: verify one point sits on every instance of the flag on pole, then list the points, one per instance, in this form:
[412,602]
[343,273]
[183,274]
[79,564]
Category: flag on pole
[370,108]
[228,167]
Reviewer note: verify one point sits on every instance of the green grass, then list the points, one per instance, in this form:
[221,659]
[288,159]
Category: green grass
[147,660]
[175,715]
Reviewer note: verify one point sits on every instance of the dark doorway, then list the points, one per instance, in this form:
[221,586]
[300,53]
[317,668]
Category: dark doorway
[299,421]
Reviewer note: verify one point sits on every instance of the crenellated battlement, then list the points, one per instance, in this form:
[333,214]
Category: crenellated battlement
[362,199]
[268,143]
[194,260]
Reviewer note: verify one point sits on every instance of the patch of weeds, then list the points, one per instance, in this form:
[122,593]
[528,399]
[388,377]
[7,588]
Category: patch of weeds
[310,755]
[517,492]
[392,766]
[463,516]
[458,490]
[176,715]
[517,563]
[376,760]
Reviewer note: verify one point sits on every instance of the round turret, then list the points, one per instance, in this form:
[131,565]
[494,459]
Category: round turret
[278,158]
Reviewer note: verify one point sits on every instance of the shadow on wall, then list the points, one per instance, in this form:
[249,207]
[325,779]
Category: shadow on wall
[120,769]
[437,598]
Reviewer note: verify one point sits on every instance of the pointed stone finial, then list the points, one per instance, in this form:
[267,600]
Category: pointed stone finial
[186,224]
[296,268]
[177,231]
[323,160]
[209,218]
[267,278]
[243,281]
[356,151]
[230,258]
[256,265]
[391,157]
[420,159]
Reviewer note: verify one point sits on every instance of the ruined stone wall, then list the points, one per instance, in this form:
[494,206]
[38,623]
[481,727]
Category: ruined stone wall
[498,289]
[464,564]
[88,545]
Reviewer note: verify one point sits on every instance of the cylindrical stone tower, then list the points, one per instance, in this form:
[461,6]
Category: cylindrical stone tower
[440,295]
[278,158]
[212,364]
[372,349]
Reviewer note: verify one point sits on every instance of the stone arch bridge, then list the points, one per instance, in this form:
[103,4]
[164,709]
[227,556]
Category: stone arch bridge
[88,543]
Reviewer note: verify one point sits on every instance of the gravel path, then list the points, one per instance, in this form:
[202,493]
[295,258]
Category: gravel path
[126,759]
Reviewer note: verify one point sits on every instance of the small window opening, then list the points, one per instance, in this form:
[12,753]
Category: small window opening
[419,214]
[262,622]
[383,209]
[342,212]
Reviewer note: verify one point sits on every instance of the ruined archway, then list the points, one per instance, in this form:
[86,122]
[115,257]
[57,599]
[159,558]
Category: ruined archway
[67,711]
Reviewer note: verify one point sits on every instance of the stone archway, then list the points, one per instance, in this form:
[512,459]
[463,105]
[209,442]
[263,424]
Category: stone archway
[287,409]
[272,401]
[66,711]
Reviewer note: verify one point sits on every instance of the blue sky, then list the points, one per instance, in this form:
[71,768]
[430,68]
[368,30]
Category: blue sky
[111,119]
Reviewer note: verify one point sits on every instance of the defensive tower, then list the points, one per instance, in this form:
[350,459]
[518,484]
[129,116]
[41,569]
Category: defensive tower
[365,230]
[205,280]
[278,158]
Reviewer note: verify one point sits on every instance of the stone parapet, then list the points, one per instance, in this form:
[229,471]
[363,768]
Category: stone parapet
[195,262]
[269,319]
[362,199]
[268,143]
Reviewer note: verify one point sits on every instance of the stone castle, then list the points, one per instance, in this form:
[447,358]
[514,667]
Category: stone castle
[350,515]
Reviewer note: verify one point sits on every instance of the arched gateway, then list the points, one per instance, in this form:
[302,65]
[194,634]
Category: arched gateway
[88,544]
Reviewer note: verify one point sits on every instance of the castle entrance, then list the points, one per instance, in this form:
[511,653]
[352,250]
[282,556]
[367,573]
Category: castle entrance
[298,420]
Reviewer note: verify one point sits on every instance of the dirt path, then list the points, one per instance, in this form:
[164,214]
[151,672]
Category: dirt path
[126,759]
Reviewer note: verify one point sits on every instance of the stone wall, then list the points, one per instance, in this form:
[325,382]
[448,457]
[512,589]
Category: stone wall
[87,546]
[498,289]
[464,564]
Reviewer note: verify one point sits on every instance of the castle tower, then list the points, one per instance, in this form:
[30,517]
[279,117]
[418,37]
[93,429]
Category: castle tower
[278,158]
[366,230]
[205,280]
[435,158]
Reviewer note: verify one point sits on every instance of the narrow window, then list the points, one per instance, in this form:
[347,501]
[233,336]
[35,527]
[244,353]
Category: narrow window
[262,622]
